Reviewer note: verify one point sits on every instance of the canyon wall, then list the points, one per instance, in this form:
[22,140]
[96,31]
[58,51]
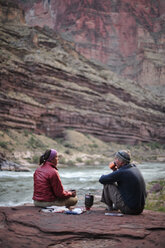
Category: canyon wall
[126,36]
[47,87]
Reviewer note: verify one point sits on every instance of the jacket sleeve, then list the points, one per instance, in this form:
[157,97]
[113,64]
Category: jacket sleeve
[110,178]
[57,186]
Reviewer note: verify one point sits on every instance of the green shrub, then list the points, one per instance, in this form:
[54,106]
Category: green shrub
[162,209]
[2,134]
[35,159]
[34,143]
[3,144]
[62,160]
[68,152]
[154,145]
[26,132]
[79,160]
[155,200]
[71,162]
[94,145]
[68,145]
[89,162]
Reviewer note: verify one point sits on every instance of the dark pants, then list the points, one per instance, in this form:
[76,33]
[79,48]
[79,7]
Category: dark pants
[112,195]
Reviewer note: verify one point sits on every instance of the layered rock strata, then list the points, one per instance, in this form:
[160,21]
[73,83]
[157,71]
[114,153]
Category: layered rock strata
[46,86]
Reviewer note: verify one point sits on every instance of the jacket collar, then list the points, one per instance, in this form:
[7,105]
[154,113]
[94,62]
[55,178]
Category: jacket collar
[50,164]
[127,166]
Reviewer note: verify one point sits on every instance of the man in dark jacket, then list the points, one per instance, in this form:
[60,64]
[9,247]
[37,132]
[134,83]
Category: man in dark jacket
[124,188]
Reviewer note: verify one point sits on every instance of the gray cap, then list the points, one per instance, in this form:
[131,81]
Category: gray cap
[124,155]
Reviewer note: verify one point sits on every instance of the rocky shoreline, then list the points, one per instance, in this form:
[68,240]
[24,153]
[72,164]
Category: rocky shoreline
[28,226]
[75,149]
[6,165]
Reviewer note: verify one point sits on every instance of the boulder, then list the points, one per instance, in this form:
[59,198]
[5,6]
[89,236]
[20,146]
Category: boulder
[156,188]
[11,166]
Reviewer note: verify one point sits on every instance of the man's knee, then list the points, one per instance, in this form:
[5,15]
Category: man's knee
[111,187]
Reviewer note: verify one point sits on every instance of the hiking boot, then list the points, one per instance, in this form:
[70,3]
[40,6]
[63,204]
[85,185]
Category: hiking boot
[109,208]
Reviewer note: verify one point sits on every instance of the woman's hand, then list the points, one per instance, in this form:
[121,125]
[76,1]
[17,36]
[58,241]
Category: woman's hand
[73,192]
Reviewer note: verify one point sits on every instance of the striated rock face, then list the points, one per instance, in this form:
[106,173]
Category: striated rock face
[9,12]
[126,36]
[46,86]
[27,226]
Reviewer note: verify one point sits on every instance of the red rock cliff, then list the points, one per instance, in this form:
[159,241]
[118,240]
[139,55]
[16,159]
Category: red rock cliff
[46,86]
[127,36]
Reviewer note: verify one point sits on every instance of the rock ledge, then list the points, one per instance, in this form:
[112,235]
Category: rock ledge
[27,226]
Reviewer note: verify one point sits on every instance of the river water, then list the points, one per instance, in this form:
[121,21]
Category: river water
[16,188]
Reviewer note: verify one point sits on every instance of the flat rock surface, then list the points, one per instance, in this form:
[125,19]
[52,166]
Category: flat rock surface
[28,226]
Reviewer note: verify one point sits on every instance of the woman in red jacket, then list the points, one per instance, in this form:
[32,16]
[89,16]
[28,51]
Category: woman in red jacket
[48,188]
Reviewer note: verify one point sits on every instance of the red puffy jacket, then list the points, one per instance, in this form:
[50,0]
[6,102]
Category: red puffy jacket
[47,184]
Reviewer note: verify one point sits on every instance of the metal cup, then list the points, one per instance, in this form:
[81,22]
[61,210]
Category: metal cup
[89,201]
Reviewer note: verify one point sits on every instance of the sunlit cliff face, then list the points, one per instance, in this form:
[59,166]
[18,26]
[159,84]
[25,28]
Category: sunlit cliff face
[126,36]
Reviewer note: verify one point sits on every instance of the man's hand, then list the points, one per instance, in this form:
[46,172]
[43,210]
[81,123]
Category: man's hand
[113,166]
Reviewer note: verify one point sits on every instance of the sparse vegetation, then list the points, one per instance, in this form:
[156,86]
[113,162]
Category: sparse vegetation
[74,148]
[79,160]
[156,200]
[69,145]
[155,145]
[62,160]
[27,132]
[3,144]
[35,159]
[71,162]
[35,143]
[68,151]
[89,162]
[93,145]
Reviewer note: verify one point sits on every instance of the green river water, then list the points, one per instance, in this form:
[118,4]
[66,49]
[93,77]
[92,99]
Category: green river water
[16,188]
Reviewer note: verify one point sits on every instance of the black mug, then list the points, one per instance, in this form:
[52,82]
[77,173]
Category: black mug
[89,201]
